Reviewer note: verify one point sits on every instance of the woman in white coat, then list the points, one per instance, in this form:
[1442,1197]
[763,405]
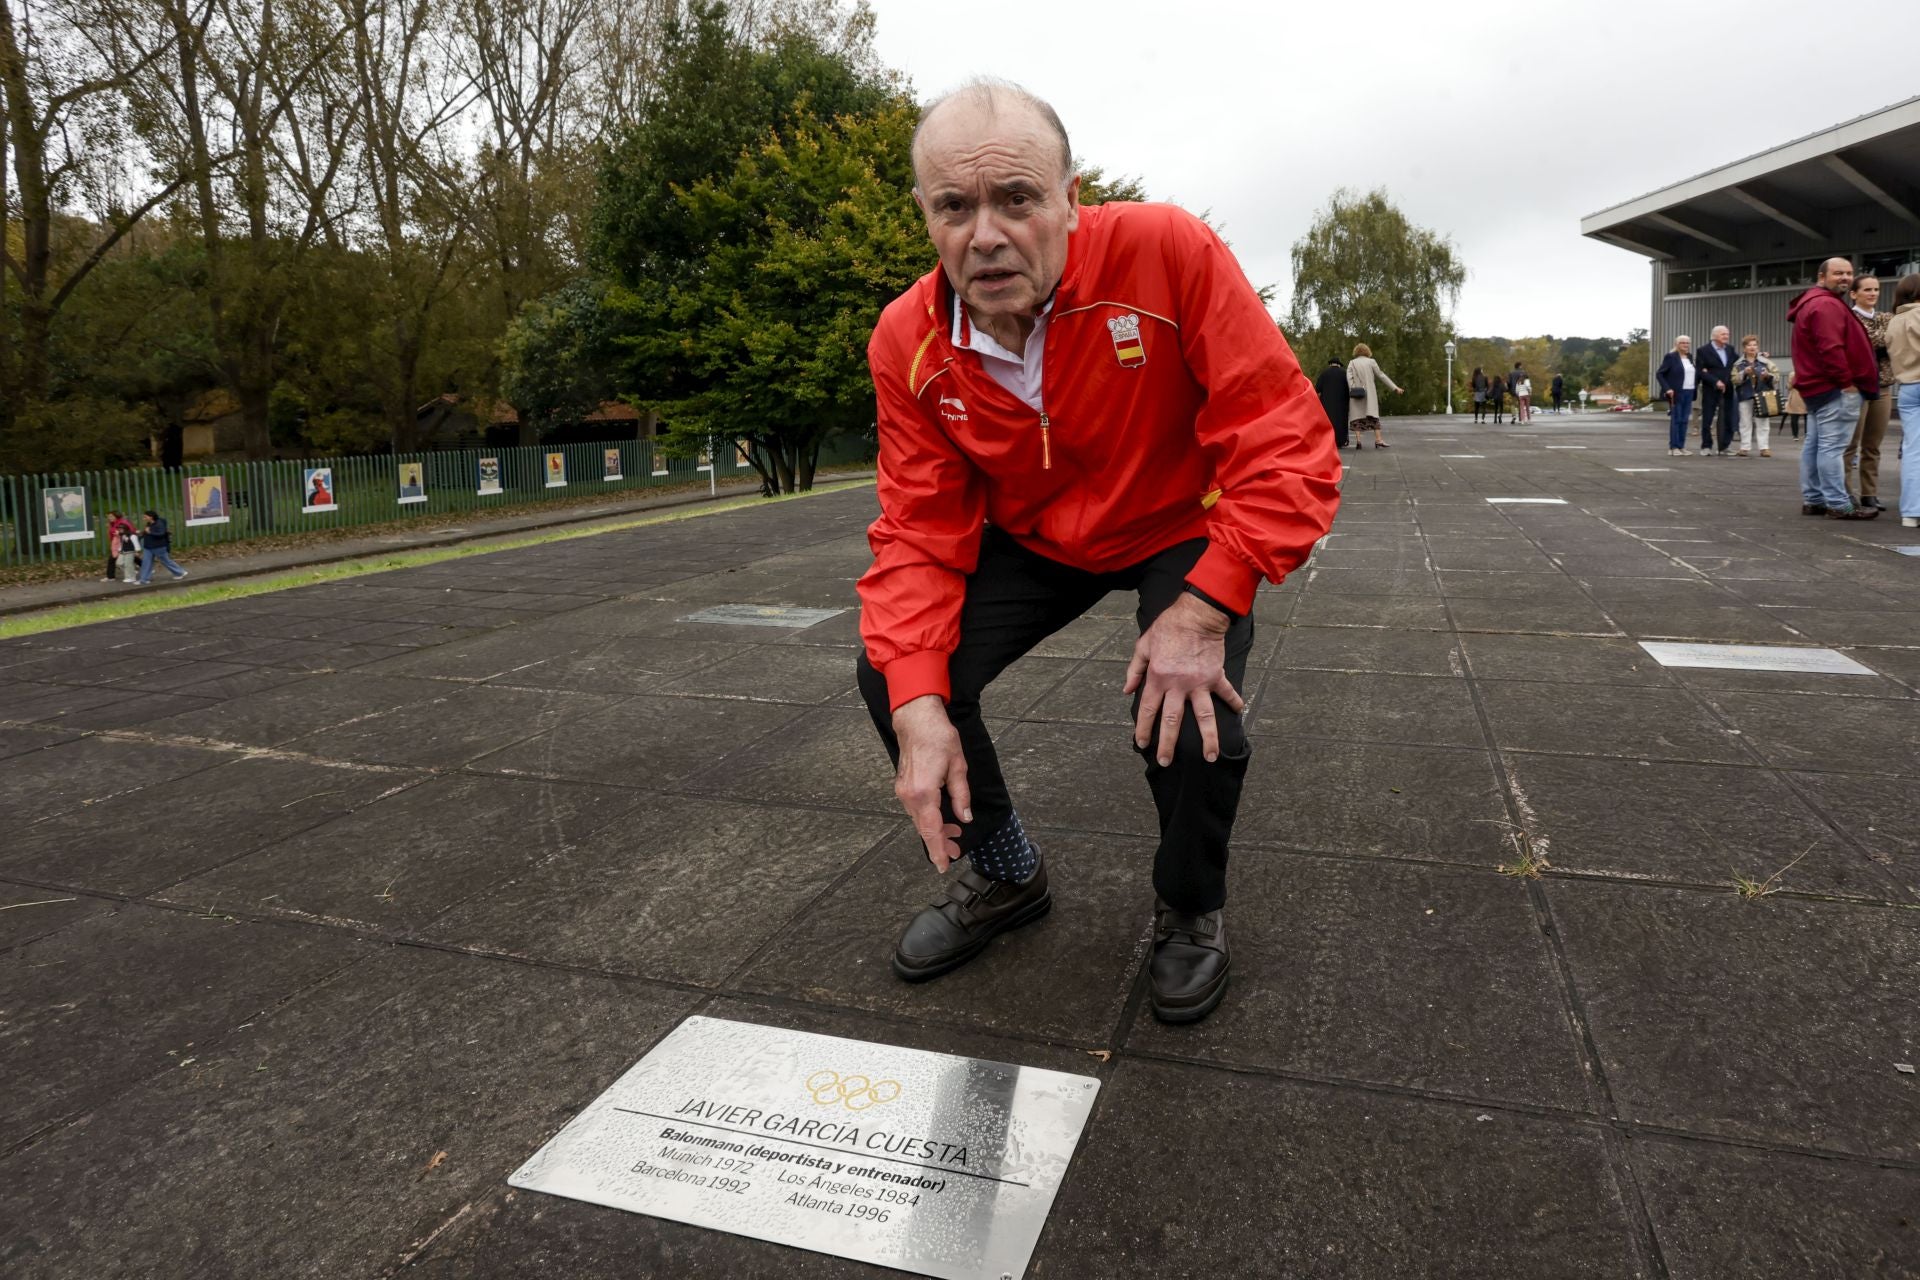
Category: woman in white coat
[1364,377]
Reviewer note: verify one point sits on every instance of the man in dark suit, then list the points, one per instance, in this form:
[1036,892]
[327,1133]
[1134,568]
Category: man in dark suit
[1717,406]
[1332,386]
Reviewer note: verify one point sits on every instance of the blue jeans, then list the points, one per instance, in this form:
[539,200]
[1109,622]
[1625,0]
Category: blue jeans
[1678,413]
[148,555]
[1910,449]
[1823,472]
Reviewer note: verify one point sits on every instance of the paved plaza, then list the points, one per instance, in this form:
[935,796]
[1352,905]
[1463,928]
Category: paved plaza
[321,910]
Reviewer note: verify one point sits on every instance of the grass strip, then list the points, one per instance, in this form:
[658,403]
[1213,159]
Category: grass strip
[129,606]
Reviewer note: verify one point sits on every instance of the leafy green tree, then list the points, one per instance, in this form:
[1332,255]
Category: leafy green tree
[1364,273]
[766,342]
[1628,373]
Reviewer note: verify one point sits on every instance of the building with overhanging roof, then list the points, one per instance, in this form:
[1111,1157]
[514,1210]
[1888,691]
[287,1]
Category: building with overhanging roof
[1736,244]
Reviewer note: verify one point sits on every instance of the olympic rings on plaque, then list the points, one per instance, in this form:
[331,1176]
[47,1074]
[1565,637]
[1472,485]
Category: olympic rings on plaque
[854,1092]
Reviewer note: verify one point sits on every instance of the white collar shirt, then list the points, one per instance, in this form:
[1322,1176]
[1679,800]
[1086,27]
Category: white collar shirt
[1686,374]
[1019,374]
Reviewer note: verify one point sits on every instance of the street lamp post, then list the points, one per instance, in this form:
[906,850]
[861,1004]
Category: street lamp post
[1450,349]
[1583,399]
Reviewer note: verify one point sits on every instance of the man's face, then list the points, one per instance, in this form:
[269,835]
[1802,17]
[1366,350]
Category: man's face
[1720,335]
[1837,275]
[998,208]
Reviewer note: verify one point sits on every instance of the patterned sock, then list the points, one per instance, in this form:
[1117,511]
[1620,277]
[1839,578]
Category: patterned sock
[1007,854]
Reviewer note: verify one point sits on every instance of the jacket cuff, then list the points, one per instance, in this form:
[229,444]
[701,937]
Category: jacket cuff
[915,675]
[1225,577]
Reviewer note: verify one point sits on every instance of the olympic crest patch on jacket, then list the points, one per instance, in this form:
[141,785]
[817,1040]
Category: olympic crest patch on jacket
[1128,347]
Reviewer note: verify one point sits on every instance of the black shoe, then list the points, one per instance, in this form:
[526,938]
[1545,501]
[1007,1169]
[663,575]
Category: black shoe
[1853,513]
[971,912]
[1187,972]
[1875,503]
[1812,509]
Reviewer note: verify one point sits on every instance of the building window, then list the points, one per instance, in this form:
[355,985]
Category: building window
[1729,279]
[1784,275]
[1888,267]
[1686,281]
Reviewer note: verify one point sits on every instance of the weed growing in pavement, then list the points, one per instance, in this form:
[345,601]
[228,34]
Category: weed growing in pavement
[1751,889]
[1528,861]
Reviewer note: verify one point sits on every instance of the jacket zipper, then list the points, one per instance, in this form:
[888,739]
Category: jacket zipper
[1046,446]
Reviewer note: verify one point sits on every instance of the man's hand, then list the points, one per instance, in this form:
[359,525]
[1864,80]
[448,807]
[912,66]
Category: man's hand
[1179,662]
[930,761]
[1669,395]
[1720,386]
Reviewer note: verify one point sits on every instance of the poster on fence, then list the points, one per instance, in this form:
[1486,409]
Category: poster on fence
[742,455]
[317,482]
[63,514]
[206,499]
[556,471]
[489,475]
[612,471]
[703,460]
[413,482]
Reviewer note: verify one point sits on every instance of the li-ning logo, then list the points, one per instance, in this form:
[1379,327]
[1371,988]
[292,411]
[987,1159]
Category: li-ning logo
[958,411]
[1128,347]
[855,1093]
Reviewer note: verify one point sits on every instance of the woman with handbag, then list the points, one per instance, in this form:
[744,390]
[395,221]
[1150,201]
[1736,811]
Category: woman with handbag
[1479,384]
[1363,377]
[1796,409]
[1754,393]
[1497,397]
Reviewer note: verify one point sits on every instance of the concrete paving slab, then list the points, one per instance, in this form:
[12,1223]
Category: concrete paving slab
[646,897]
[1608,720]
[456,726]
[121,997]
[1426,978]
[1562,659]
[28,912]
[1418,653]
[337,1136]
[1815,731]
[1723,1213]
[38,787]
[1327,1182]
[18,740]
[278,715]
[645,742]
[1432,803]
[1696,1002]
[1685,823]
[830,756]
[393,865]
[1370,707]
[142,840]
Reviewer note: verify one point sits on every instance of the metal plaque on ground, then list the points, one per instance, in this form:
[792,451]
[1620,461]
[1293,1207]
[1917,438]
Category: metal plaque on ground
[1756,657]
[930,1163]
[762,615]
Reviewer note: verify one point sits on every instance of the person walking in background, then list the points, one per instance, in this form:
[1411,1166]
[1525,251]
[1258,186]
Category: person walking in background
[1363,378]
[1903,355]
[1332,386]
[1516,380]
[1863,451]
[1497,397]
[119,548]
[1478,385]
[1714,366]
[1676,380]
[1559,393]
[1523,397]
[1796,410]
[155,543]
[1752,383]
[1834,367]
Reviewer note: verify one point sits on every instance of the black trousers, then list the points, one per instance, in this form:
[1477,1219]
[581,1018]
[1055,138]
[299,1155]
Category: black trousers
[1015,599]
[1716,404]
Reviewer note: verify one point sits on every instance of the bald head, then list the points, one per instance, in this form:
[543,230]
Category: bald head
[986,105]
[1836,274]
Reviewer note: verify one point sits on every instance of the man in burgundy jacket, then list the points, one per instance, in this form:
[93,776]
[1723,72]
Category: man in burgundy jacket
[1833,370]
[1077,401]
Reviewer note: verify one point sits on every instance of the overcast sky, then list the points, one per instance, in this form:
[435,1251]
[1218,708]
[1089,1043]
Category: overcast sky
[1498,124]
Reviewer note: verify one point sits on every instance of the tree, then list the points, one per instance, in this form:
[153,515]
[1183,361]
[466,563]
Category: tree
[1628,373]
[1363,273]
[767,341]
[62,138]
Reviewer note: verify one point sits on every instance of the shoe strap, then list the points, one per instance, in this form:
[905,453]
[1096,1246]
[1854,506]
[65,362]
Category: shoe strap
[1200,930]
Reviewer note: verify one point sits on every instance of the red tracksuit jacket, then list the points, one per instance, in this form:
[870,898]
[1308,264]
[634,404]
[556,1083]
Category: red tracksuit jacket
[1164,381]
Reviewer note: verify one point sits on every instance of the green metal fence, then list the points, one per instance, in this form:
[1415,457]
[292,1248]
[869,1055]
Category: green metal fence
[40,516]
